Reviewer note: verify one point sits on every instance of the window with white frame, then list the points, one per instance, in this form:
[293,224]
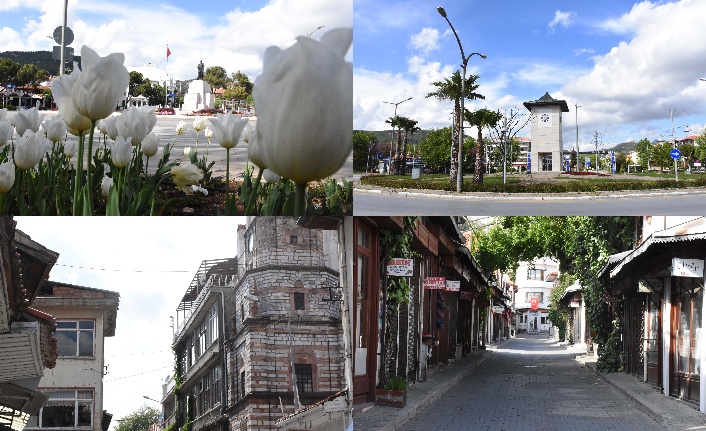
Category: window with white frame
[201,340]
[66,409]
[213,325]
[216,386]
[75,337]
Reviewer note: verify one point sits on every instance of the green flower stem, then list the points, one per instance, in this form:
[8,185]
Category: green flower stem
[21,190]
[76,210]
[89,179]
[227,172]
[300,199]
[253,194]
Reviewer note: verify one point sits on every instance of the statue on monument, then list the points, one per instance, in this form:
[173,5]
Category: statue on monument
[200,70]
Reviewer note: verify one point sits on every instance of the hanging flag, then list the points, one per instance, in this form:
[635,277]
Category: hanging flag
[168,52]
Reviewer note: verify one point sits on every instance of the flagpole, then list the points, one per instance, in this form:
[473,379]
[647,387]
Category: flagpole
[166,69]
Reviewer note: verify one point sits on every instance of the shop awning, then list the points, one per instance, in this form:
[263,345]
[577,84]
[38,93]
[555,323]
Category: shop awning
[690,231]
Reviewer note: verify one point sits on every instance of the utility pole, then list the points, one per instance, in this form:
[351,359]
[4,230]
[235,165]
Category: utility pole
[596,135]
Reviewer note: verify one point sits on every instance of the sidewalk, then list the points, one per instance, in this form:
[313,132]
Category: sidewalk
[667,411]
[419,395]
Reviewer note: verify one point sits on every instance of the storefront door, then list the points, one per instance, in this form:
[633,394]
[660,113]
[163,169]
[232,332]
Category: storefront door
[653,344]
[684,367]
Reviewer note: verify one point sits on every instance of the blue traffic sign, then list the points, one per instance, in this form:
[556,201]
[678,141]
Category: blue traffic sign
[675,153]
[379,156]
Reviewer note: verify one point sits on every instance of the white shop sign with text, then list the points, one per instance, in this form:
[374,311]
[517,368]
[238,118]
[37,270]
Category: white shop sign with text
[399,267]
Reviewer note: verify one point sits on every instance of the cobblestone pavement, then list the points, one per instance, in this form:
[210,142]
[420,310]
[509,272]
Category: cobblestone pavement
[532,383]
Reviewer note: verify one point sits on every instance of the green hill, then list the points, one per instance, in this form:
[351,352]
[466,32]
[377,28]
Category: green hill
[41,59]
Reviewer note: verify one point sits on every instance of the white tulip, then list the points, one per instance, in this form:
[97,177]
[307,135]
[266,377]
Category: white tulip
[30,148]
[200,123]
[54,129]
[186,176]
[247,132]
[61,88]
[3,114]
[136,123]
[121,152]
[304,100]
[270,176]
[150,144]
[70,149]
[187,151]
[208,133]
[7,176]
[180,127]
[106,184]
[27,120]
[201,190]
[228,129]
[6,131]
[102,84]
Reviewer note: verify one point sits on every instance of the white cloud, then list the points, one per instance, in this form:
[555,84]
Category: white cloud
[658,69]
[581,51]
[563,19]
[236,40]
[426,41]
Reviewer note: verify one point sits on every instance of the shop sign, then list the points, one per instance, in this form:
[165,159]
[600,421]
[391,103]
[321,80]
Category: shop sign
[466,296]
[453,285]
[498,309]
[435,283]
[687,267]
[400,267]
[534,303]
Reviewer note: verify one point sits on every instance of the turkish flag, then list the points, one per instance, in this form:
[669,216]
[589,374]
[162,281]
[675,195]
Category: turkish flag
[168,51]
[534,303]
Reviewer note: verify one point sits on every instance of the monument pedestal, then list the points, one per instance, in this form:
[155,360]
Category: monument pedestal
[198,97]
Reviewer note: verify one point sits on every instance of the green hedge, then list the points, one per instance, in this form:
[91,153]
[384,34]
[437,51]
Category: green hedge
[555,187]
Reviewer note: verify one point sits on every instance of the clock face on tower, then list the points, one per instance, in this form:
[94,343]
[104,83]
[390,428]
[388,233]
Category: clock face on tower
[544,117]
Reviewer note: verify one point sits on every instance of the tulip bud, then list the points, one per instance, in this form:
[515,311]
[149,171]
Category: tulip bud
[61,88]
[6,131]
[55,129]
[187,151]
[106,184]
[29,149]
[270,176]
[7,177]
[208,133]
[150,144]
[180,127]
[121,152]
[70,149]
[200,123]
[136,123]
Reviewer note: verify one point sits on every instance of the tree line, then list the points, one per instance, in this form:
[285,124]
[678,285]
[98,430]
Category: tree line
[21,75]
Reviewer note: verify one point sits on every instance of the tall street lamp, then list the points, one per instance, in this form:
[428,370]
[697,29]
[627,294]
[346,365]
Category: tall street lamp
[392,140]
[577,136]
[464,63]
[503,133]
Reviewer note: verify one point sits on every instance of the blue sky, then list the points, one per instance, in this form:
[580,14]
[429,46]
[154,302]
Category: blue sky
[231,34]
[625,63]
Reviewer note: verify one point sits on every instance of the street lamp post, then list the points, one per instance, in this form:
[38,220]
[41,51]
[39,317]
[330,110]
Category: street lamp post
[464,63]
[577,136]
[392,140]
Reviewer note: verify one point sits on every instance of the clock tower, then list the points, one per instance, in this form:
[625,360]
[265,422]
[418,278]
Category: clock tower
[547,148]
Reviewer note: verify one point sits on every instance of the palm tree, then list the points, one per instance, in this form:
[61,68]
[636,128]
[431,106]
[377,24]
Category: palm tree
[396,121]
[410,127]
[450,89]
[481,118]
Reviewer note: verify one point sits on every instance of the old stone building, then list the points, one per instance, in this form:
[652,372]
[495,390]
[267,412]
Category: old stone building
[286,347]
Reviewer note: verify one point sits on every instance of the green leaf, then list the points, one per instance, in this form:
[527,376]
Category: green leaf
[86,201]
[112,207]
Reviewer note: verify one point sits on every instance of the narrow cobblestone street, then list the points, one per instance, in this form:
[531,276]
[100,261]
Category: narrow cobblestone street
[531,383]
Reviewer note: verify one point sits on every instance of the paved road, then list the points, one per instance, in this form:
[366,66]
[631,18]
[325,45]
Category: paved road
[166,127]
[531,384]
[667,203]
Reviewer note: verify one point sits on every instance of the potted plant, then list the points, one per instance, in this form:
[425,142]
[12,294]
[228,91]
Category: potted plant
[394,394]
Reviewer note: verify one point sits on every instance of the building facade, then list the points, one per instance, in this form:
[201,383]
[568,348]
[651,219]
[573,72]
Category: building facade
[84,318]
[27,348]
[440,320]
[534,281]
[656,290]
[547,144]
[286,348]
